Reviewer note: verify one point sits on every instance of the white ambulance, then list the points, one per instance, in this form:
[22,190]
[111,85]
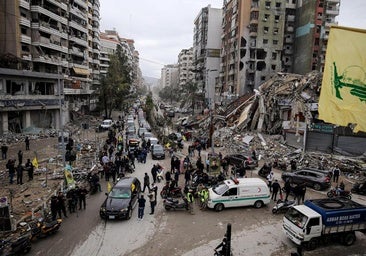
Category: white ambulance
[239,192]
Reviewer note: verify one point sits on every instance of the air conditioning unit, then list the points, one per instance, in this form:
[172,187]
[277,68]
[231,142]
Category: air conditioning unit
[264,19]
[275,33]
[265,31]
[268,7]
[276,21]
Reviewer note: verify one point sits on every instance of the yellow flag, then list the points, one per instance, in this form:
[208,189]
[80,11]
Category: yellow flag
[35,162]
[69,177]
[109,187]
[343,94]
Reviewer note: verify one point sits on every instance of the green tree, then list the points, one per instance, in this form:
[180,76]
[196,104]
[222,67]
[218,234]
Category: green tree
[115,86]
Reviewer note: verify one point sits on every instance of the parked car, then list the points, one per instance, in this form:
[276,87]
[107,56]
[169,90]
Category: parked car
[142,130]
[106,124]
[240,159]
[122,199]
[153,141]
[317,179]
[157,152]
[148,135]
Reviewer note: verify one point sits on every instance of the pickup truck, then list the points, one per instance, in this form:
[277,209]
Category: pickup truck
[322,220]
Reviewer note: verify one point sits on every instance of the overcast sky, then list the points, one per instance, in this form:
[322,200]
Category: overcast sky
[162,28]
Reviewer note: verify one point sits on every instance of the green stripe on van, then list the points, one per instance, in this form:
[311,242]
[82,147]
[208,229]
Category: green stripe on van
[239,199]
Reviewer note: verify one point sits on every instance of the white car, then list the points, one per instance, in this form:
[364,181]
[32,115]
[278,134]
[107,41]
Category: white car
[106,124]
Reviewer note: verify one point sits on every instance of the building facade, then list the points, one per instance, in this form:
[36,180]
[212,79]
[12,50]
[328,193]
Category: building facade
[185,66]
[206,50]
[49,38]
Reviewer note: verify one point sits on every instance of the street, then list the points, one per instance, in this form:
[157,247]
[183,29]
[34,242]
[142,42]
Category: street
[254,231]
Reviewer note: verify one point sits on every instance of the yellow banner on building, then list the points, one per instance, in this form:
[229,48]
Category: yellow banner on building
[343,93]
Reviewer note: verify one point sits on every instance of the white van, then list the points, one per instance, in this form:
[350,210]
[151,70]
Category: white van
[239,192]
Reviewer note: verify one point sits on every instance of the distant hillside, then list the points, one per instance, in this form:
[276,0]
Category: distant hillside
[151,80]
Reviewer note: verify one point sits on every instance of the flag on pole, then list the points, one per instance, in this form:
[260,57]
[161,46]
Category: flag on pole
[109,187]
[35,162]
[343,94]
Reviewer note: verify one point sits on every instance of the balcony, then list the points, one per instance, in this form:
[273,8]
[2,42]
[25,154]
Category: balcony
[76,51]
[24,4]
[82,3]
[95,29]
[45,27]
[253,21]
[78,13]
[253,34]
[59,4]
[26,56]
[78,26]
[332,12]
[25,39]
[24,22]
[52,15]
[54,45]
[78,41]
[291,18]
[96,61]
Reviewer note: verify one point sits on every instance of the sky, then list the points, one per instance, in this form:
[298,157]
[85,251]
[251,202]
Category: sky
[162,28]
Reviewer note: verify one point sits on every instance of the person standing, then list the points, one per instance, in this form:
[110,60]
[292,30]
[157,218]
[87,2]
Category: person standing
[275,189]
[176,177]
[302,191]
[54,207]
[61,208]
[141,203]
[287,188]
[336,172]
[26,143]
[82,197]
[152,202]
[154,172]
[146,182]
[20,170]
[20,157]
[4,151]
[190,200]
[11,167]
[269,180]
[30,169]
[187,176]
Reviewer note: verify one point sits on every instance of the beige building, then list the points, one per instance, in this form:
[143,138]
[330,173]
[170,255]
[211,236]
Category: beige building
[44,45]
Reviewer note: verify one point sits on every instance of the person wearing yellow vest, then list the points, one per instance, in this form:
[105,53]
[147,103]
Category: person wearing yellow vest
[204,198]
[190,199]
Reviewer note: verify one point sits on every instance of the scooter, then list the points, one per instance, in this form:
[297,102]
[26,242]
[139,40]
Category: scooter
[175,204]
[160,175]
[282,206]
[359,188]
[21,245]
[334,192]
[167,191]
[42,228]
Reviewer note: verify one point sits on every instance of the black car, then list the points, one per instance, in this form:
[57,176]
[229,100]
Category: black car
[240,159]
[121,200]
[314,178]
[157,152]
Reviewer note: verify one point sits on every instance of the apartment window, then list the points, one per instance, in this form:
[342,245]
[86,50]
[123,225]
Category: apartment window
[265,41]
[273,67]
[275,42]
[277,18]
[275,31]
[278,5]
[268,4]
[263,78]
[274,55]
[265,30]
[266,17]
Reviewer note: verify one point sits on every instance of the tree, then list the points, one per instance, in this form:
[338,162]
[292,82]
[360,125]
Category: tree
[190,90]
[115,86]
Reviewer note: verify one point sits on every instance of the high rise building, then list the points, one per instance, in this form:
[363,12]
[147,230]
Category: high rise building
[261,37]
[206,50]
[57,43]
[185,65]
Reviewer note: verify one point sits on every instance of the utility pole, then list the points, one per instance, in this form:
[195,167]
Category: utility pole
[211,104]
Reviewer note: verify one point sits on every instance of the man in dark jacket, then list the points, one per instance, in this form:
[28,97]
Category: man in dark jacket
[20,170]
[141,209]
[10,165]
[275,189]
[146,182]
[154,172]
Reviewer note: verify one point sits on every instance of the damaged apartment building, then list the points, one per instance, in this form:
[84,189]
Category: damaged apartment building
[49,60]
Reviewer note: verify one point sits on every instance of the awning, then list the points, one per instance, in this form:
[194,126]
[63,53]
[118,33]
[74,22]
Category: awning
[81,71]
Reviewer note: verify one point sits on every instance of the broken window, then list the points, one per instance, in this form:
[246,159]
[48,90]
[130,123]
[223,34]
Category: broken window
[265,41]
[273,67]
[14,87]
[261,54]
[274,55]
[261,65]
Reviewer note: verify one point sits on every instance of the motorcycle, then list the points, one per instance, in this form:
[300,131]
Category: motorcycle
[359,188]
[42,228]
[334,192]
[21,245]
[160,175]
[282,206]
[175,204]
[167,191]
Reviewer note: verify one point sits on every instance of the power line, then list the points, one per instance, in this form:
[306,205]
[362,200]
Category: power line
[153,61]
